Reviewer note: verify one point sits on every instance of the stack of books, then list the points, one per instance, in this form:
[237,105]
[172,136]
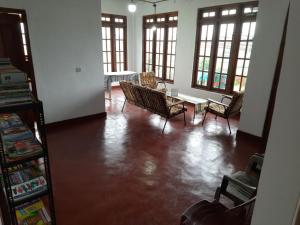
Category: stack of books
[18,140]
[27,182]
[14,85]
[33,213]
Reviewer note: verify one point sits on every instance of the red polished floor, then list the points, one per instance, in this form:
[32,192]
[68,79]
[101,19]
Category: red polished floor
[122,171]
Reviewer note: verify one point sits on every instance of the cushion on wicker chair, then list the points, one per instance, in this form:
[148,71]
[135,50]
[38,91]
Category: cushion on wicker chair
[216,108]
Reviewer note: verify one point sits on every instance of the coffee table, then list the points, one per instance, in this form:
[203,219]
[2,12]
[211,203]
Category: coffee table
[199,103]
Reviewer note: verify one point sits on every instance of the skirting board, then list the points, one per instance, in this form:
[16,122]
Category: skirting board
[251,137]
[76,120]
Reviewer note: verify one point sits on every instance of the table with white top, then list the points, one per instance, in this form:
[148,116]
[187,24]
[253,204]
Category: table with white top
[110,77]
[199,103]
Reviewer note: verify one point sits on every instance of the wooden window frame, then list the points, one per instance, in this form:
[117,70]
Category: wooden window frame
[164,24]
[238,19]
[112,24]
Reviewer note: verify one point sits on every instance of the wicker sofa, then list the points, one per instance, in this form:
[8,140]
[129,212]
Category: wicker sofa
[152,100]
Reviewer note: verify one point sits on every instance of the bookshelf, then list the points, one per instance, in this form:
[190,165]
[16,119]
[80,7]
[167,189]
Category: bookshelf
[35,191]
[26,196]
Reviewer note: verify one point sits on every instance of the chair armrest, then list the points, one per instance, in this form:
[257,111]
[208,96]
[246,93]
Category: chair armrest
[226,96]
[162,82]
[227,179]
[216,102]
[176,103]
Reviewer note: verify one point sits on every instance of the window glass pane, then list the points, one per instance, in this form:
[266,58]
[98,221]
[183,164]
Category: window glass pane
[201,62]
[242,49]
[237,83]
[174,48]
[219,65]
[205,79]
[199,78]
[243,86]
[230,29]
[220,49]
[249,50]
[208,48]
[121,33]
[227,49]
[223,32]
[174,33]
[223,82]
[210,32]
[206,64]
[202,48]
[239,67]
[204,32]
[216,83]
[245,31]
[232,11]
[225,13]
[252,30]
[246,67]
[225,66]
[103,45]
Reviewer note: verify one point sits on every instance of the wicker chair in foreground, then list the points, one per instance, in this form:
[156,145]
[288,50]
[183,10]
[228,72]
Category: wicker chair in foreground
[215,213]
[225,110]
[152,100]
[149,80]
[242,185]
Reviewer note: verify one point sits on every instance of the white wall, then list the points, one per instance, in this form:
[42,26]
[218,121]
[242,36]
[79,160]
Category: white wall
[279,186]
[270,22]
[65,34]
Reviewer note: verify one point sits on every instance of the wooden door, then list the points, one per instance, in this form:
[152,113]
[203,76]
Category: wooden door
[14,42]
[11,44]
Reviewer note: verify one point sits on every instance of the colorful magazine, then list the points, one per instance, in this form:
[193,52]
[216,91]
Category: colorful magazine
[19,142]
[33,213]
[27,182]
[10,121]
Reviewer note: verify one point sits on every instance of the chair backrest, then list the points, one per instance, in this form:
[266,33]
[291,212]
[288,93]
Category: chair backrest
[235,104]
[127,90]
[135,90]
[154,101]
[148,79]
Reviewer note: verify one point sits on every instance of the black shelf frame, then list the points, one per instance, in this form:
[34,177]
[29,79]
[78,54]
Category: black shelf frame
[36,107]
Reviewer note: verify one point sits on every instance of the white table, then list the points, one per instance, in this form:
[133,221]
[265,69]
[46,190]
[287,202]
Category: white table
[199,103]
[110,77]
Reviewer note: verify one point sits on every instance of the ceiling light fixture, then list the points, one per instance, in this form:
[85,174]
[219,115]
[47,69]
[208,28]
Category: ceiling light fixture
[132,7]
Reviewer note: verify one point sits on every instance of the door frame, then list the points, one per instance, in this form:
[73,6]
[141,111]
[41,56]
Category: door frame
[22,12]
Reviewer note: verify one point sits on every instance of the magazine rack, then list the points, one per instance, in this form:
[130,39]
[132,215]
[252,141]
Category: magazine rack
[10,205]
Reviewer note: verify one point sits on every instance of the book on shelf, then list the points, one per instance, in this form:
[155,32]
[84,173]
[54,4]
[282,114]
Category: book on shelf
[19,143]
[11,74]
[33,213]
[27,182]
[5,62]
[14,85]
[10,120]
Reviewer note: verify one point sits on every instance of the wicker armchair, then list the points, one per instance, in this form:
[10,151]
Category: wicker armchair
[149,80]
[152,100]
[215,213]
[242,185]
[225,110]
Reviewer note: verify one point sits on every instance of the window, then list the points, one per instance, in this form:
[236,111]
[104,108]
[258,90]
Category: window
[159,41]
[114,42]
[223,47]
